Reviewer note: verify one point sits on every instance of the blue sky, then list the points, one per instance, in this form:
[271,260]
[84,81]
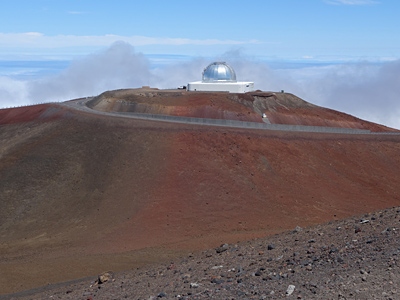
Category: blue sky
[340,54]
[316,29]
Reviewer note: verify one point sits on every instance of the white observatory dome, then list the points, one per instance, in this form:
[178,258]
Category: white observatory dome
[219,72]
[220,77]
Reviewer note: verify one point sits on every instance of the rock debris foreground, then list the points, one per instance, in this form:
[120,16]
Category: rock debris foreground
[357,258]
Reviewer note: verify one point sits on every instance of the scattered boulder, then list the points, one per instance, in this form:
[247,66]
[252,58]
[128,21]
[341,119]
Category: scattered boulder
[290,289]
[105,277]
[222,248]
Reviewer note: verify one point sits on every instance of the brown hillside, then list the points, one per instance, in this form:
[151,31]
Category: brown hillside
[280,108]
[82,193]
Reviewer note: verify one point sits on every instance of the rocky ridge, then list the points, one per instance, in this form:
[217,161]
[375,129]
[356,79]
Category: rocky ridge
[356,258]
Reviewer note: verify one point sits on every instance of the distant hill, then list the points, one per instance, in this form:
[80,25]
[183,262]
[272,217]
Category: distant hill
[280,108]
[82,193]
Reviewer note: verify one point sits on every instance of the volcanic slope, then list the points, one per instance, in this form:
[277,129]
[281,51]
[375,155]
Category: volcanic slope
[279,108]
[82,193]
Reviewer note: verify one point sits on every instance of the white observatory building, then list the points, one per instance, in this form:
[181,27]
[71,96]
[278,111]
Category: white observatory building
[220,77]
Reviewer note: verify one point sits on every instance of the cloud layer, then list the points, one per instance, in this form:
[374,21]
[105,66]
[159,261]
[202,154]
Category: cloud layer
[37,40]
[367,90]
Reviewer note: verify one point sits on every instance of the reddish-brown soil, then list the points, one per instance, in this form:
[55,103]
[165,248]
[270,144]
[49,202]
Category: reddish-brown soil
[355,258]
[32,113]
[280,108]
[83,193]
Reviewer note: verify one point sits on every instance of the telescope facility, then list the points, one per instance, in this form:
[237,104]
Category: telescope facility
[220,77]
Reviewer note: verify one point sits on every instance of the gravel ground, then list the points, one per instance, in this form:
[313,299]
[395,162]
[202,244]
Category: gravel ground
[357,258]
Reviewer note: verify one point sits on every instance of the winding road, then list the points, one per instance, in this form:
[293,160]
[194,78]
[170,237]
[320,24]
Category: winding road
[81,105]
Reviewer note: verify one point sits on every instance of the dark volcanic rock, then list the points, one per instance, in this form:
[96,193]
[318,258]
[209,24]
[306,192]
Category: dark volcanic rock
[350,268]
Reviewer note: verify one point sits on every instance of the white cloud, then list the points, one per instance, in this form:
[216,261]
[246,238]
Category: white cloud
[367,90]
[119,66]
[13,92]
[351,2]
[38,40]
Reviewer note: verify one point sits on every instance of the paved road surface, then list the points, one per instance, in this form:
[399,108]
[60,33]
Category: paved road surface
[80,104]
